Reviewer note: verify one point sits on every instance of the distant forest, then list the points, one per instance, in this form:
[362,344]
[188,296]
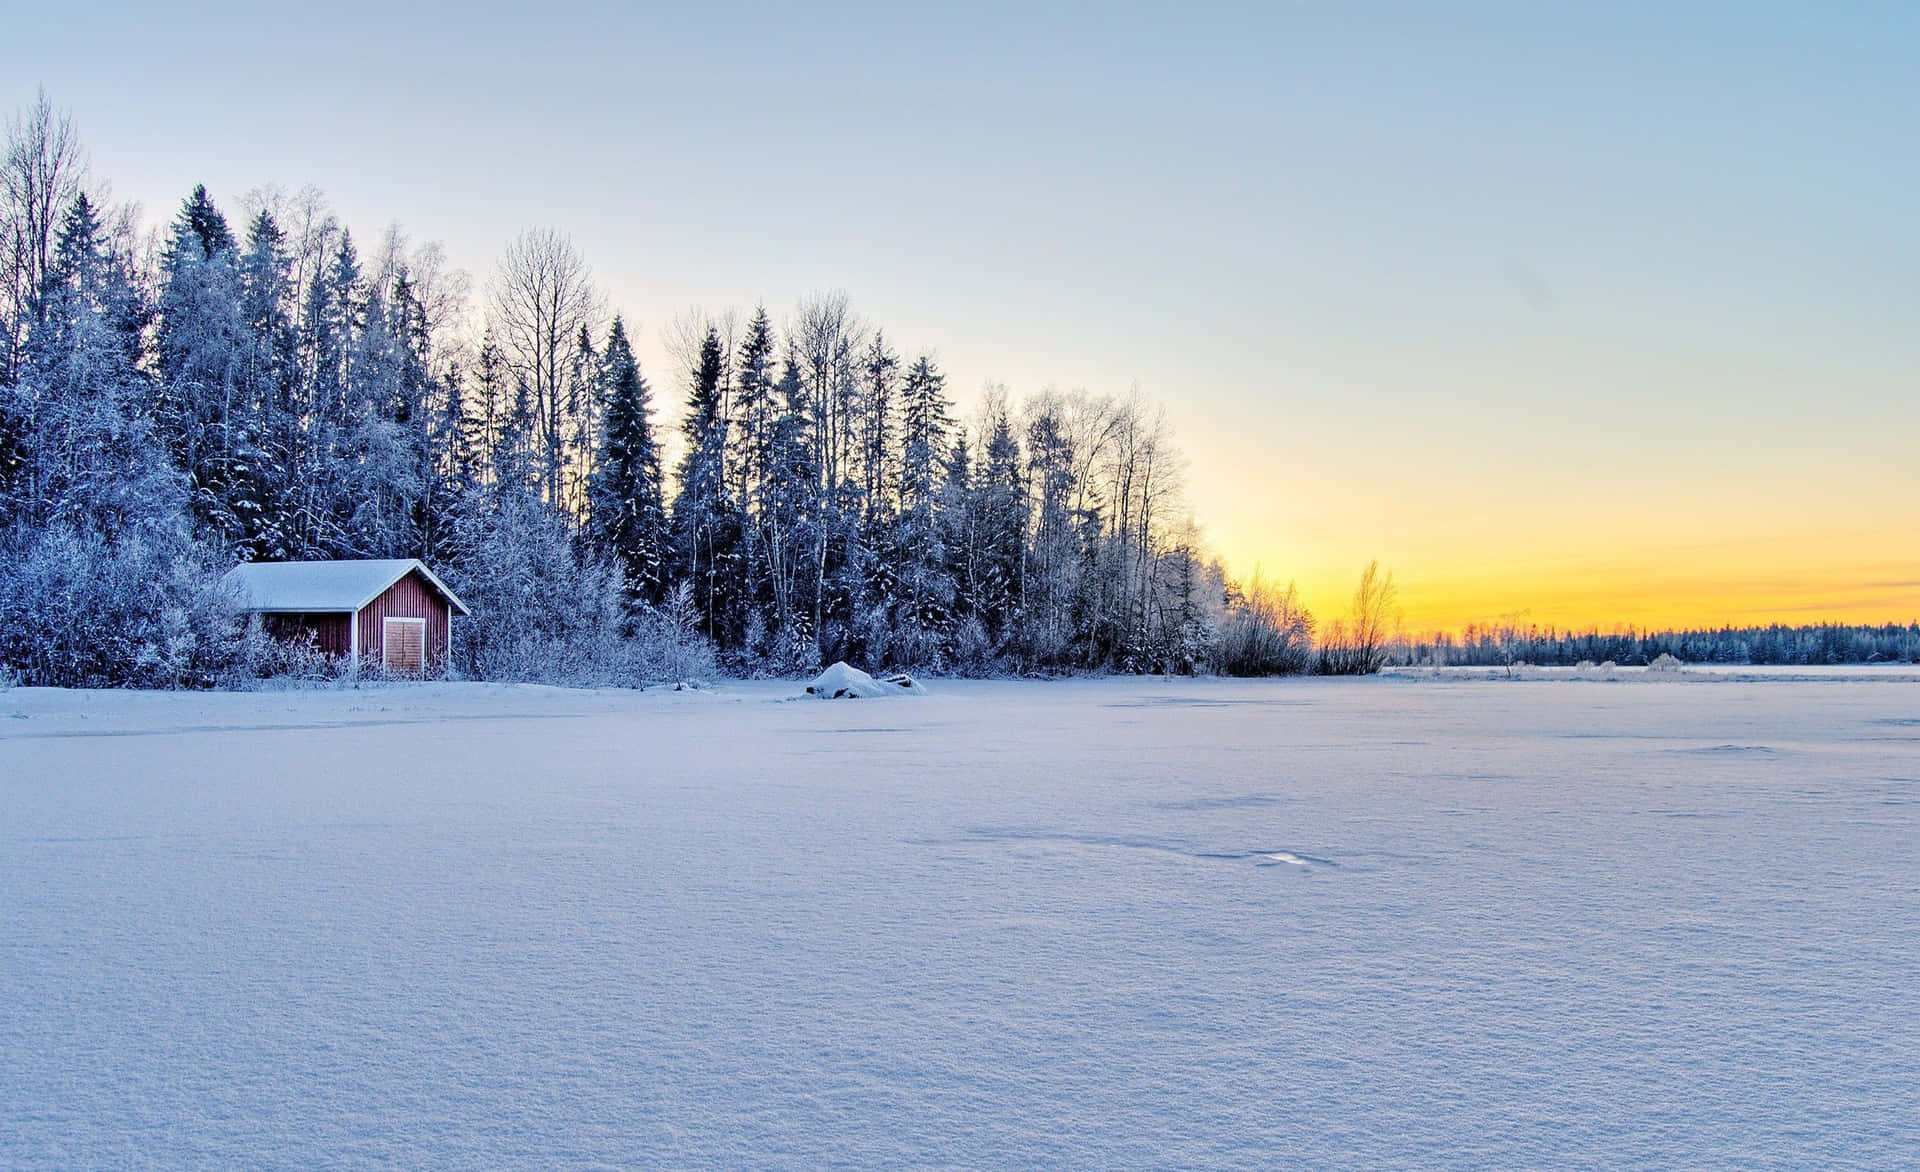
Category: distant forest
[1502,644]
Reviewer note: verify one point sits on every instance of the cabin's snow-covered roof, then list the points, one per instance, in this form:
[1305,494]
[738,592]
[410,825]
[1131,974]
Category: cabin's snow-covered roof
[321,587]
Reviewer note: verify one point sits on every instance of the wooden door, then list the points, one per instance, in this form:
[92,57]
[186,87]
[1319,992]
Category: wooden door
[403,645]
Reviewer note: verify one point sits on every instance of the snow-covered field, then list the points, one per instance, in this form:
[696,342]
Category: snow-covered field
[1133,922]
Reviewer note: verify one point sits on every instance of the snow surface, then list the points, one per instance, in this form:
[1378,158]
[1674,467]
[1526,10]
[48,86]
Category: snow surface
[1136,922]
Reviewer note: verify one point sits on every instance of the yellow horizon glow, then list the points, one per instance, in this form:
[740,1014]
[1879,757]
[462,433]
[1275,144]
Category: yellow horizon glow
[1848,579]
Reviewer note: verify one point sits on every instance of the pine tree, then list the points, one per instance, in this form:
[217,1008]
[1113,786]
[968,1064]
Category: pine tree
[1052,557]
[454,445]
[493,392]
[960,533]
[90,461]
[101,582]
[201,218]
[347,301]
[922,610]
[627,518]
[375,470]
[706,522]
[754,407]
[788,508]
[880,369]
[571,454]
[269,384]
[999,503]
[516,460]
[204,408]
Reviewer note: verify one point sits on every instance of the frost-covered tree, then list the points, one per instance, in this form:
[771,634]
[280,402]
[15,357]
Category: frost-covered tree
[205,414]
[997,505]
[706,520]
[1265,631]
[1052,578]
[787,528]
[923,599]
[42,171]
[755,407]
[627,519]
[90,455]
[542,610]
[101,580]
[269,384]
[544,305]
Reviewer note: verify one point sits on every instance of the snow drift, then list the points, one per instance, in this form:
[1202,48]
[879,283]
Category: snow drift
[844,682]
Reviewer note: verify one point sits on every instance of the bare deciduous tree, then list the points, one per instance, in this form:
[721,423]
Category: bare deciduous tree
[543,299]
[1359,645]
[827,336]
[43,171]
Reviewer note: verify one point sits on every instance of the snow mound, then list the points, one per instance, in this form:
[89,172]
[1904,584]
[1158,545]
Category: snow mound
[842,682]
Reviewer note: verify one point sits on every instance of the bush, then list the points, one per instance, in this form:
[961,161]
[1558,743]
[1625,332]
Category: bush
[667,643]
[1267,632]
[544,614]
[145,610]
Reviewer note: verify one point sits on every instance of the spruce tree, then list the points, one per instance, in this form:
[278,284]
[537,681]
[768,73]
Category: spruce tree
[89,460]
[788,509]
[1000,505]
[206,223]
[706,523]
[754,407]
[204,409]
[879,371]
[923,603]
[269,381]
[627,520]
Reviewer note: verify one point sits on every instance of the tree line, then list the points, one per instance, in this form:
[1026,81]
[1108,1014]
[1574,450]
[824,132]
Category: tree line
[1511,641]
[266,386]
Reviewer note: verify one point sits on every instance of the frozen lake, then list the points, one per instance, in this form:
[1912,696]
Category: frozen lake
[1394,921]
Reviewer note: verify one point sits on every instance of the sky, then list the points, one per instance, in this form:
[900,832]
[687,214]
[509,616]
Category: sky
[1592,314]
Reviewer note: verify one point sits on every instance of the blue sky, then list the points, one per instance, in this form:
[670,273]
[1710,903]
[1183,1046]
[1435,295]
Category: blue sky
[1592,311]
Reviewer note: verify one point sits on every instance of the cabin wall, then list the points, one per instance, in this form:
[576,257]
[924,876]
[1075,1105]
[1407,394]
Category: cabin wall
[332,634]
[412,597]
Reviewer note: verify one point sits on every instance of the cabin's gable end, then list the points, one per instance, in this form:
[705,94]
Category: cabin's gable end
[413,597]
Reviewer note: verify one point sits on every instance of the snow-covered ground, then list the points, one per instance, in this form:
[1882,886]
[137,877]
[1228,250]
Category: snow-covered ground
[1127,922]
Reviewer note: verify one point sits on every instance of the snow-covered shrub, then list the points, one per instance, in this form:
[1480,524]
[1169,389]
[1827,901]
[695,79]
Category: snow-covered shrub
[144,610]
[1589,670]
[302,662]
[668,643]
[1666,663]
[540,612]
[544,613]
[972,649]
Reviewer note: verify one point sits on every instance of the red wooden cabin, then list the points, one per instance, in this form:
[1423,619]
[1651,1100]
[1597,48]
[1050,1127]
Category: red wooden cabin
[394,614]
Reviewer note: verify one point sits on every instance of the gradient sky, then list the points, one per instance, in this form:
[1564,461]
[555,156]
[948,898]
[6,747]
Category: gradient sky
[1605,314]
